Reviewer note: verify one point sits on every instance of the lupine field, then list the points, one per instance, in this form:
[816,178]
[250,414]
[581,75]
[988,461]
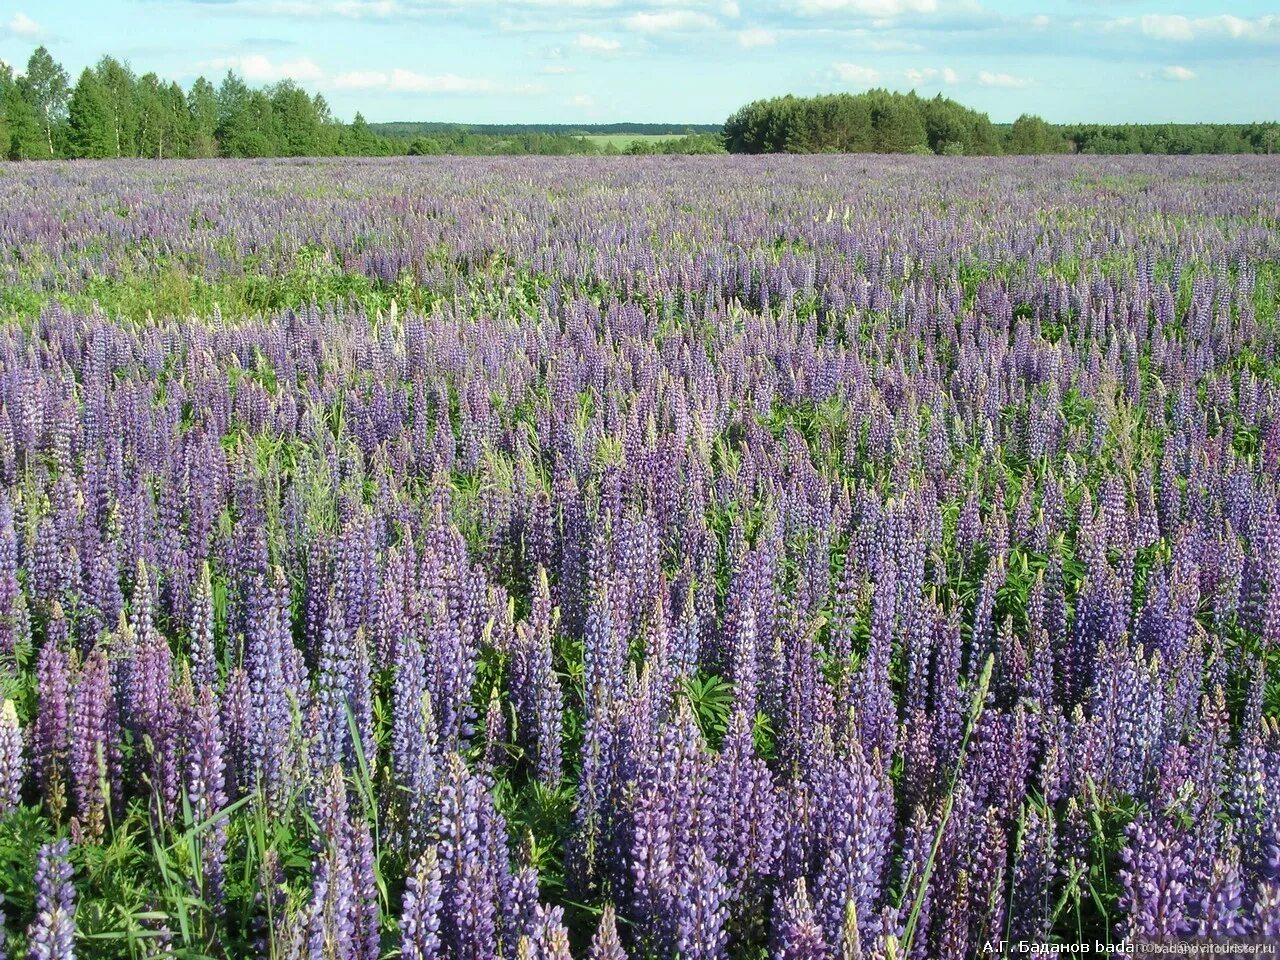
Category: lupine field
[792,558]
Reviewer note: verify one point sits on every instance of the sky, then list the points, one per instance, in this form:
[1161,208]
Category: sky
[690,61]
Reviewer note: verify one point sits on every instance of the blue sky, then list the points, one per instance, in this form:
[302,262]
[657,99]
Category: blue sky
[690,60]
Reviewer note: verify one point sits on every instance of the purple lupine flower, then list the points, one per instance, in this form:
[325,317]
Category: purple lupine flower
[1218,912]
[12,764]
[494,745]
[520,907]
[746,808]
[988,880]
[414,751]
[95,761]
[469,878]
[150,706]
[1034,870]
[877,714]
[334,683]
[366,920]
[420,915]
[849,943]
[854,812]
[1154,879]
[268,720]
[331,915]
[52,932]
[204,666]
[797,935]
[50,735]
[701,910]
[535,688]
[206,791]
[549,940]
[1266,910]
[10,591]
[606,945]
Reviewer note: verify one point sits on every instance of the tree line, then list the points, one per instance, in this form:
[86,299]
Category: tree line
[411,129]
[883,121]
[111,111]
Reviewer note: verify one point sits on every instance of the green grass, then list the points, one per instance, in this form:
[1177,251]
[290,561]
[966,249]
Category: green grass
[623,140]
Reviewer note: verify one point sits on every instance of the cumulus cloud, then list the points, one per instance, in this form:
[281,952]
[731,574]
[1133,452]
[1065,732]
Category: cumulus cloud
[20,25]
[879,9]
[258,68]
[1177,28]
[400,80]
[361,80]
[581,101]
[856,73]
[989,79]
[756,37]
[588,41]
[928,74]
[668,21]
[1177,73]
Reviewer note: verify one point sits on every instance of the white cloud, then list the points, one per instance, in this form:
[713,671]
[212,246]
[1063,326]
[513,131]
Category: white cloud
[756,37]
[989,79]
[408,81]
[1177,73]
[928,74]
[881,9]
[557,69]
[1176,28]
[256,68]
[399,80]
[366,8]
[21,25]
[856,73]
[669,21]
[587,41]
[361,80]
[580,100]
[730,8]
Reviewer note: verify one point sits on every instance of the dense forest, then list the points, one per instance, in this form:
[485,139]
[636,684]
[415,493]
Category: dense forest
[411,129]
[111,111]
[881,121]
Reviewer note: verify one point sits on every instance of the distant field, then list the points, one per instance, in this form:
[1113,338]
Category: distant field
[621,140]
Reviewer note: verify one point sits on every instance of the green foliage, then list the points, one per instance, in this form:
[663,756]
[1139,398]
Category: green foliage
[711,697]
[1030,134]
[90,118]
[878,121]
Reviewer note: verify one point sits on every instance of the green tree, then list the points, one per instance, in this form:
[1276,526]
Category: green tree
[298,124]
[91,131]
[154,124]
[118,84]
[26,139]
[202,109]
[47,89]
[359,140]
[1031,134]
[898,122]
[249,126]
[177,120]
[330,129]
[233,100]
[8,90]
